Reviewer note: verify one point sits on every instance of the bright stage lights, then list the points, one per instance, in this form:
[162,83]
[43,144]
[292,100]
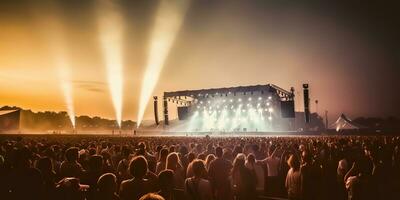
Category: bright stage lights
[233,114]
[269,97]
[169,18]
[110,31]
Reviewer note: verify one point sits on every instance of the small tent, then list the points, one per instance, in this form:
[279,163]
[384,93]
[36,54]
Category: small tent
[344,123]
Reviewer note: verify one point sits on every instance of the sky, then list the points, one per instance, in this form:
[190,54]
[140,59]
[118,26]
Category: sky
[348,52]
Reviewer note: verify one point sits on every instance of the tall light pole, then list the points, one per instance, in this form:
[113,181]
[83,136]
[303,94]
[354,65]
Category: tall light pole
[326,119]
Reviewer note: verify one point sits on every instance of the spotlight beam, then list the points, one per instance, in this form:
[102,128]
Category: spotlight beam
[66,87]
[168,20]
[53,31]
[110,36]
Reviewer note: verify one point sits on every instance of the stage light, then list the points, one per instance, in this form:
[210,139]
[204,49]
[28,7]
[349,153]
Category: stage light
[66,87]
[198,107]
[269,97]
[223,101]
[208,102]
[270,110]
[269,118]
[249,99]
[240,100]
[231,100]
[169,18]
[259,98]
[268,103]
[110,31]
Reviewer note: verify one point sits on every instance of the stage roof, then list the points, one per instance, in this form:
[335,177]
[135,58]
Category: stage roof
[230,90]
[4,112]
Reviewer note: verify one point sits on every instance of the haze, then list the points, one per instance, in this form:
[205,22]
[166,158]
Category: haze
[348,53]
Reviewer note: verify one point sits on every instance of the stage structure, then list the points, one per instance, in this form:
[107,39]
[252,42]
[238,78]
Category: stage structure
[10,120]
[245,108]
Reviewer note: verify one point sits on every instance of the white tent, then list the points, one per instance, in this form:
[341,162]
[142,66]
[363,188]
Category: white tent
[344,123]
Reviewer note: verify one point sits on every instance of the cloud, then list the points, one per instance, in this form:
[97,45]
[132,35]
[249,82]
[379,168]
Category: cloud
[91,86]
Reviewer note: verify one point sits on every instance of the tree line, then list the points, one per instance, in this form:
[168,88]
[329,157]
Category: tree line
[50,120]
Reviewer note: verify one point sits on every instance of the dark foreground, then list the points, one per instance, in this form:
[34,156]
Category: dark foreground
[113,167]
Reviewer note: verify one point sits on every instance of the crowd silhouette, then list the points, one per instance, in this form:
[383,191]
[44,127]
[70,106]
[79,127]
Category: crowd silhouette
[199,168]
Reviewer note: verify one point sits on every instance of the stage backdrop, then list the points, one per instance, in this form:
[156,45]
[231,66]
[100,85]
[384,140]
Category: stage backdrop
[9,120]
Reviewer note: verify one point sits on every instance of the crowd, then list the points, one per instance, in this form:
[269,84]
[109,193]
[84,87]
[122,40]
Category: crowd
[199,168]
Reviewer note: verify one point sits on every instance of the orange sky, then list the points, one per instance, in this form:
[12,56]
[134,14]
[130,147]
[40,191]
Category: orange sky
[220,45]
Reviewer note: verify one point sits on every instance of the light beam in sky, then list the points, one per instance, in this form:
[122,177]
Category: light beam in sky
[169,17]
[110,36]
[66,87]
[53,31]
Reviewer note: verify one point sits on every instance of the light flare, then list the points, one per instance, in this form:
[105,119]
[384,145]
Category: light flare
[169,18]
[110,25]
